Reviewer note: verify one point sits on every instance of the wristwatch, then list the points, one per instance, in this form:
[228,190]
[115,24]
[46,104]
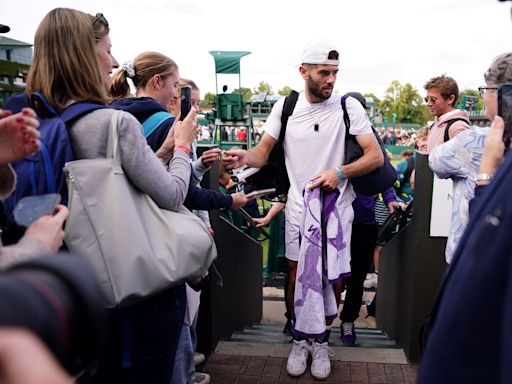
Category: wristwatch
[484,177]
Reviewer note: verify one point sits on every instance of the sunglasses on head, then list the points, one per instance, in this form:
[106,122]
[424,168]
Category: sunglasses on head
[99,17]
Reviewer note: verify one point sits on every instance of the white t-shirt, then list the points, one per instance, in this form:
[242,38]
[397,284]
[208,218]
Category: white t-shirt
[308,152]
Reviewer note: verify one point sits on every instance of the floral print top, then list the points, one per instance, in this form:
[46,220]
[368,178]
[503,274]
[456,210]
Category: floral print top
[459,160]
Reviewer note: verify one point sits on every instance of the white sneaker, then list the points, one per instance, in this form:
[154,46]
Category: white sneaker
[298,359]
[371,281]
[321,365]
[199,358]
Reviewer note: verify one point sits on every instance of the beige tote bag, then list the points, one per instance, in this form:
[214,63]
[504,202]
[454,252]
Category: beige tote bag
[136,248]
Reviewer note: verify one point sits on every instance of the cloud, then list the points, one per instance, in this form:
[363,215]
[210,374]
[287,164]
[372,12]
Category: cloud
[379,41]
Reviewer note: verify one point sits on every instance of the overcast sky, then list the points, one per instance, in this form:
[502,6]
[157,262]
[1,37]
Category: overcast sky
[379,41]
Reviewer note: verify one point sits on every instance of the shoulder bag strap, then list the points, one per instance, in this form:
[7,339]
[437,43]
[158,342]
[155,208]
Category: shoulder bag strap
[154,121]
[112,146]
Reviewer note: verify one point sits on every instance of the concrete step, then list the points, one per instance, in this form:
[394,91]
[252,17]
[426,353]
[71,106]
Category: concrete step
[373,345]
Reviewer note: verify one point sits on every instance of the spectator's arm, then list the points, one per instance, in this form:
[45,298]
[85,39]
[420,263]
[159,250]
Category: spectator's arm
[272,212]
[446,160]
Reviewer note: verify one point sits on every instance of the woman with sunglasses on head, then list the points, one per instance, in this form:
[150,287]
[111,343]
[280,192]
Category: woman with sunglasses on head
[72,63]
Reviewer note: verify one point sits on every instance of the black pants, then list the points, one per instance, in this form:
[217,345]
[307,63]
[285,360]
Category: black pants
[155,331]
[362,245]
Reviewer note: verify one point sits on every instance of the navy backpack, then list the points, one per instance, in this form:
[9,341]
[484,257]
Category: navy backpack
[42,172]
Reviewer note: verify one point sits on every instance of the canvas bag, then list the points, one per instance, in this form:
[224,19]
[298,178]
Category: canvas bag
[136,248]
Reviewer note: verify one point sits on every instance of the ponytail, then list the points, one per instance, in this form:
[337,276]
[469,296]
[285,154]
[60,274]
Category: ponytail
[119,87]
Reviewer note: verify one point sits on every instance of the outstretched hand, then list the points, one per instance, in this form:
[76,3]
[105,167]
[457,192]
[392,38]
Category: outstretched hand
[209,157]
[234,158]
[18,135]
[261,222]
[239,200]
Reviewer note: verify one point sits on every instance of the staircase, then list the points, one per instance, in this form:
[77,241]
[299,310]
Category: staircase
[373,345]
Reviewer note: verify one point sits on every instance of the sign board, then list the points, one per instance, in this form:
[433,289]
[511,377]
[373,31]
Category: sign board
[441,213]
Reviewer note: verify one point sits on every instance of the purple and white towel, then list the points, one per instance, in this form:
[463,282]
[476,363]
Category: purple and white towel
[324,258]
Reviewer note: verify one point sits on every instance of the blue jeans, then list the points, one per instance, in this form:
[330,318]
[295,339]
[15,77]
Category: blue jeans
[184,360]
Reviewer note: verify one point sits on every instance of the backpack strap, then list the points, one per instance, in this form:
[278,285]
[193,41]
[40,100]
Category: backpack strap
[288,107]
[41,105]
[79,109]
[346,118]
[450,123]
[48,168]
[154,121]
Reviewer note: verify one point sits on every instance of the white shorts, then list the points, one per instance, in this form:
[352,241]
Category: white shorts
[293,220]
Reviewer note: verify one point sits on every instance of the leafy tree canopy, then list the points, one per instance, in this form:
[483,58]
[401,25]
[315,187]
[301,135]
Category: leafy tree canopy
[405,103]
[263,87]
[285,91]
[246,93]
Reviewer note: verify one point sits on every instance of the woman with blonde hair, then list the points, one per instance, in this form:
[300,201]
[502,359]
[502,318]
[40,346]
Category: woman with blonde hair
[72,63]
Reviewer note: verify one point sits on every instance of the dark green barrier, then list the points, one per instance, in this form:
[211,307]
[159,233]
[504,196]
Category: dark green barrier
[397,149]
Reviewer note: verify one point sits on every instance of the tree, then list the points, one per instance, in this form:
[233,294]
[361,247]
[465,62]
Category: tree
[246,93]
[208,100]
[285,91]
[376,100]
[263,87]
[405,102]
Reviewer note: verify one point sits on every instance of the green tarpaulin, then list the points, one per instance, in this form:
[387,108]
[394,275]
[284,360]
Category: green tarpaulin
[228,61]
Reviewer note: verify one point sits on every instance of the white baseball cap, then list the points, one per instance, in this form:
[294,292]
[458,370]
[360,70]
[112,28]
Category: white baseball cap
[317,52]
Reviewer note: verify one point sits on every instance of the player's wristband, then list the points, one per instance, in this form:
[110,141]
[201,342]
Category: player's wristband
[340,173]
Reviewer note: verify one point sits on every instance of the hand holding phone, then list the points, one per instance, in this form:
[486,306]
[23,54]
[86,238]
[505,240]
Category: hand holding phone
[185,98]
[48,229]
[31,208]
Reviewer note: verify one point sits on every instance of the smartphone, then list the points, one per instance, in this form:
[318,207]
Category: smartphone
[186,94]
[31,208]
[505,110]
[260,193]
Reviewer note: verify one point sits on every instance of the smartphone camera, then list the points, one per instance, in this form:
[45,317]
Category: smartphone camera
[31,208]
[185,98]
[505,111]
